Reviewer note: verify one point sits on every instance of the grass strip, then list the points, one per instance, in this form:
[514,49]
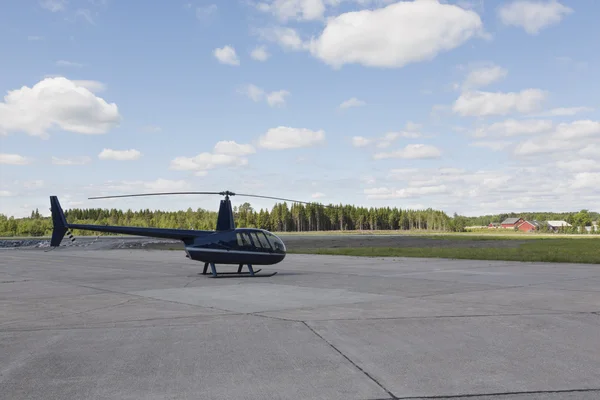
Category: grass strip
[556,250]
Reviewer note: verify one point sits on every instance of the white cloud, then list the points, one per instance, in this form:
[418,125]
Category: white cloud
[6,193]
[513,127]
[286,37]
[352,102]
[591,150]
[164,184]
[37,183]
[478,103]
[204,162]
[386,193]
[225,154]
[388,138]
[56,102]
[579,165]
[589,180]
[65,63]
[563,111]
[412,151]
[284,137]
[576,135]
[232,148]
[92,86]
[484,76]
[119,155]
[359,141]
[302,10]
[317,195]
[396,35]
[71,160]
[260,53]
[53,5]
[495,145]
[533,16]
[13,159]
[226,55]
[274,99]
[34,38]
[577,129]
[277,98]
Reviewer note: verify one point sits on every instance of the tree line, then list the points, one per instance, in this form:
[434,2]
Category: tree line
[281,218]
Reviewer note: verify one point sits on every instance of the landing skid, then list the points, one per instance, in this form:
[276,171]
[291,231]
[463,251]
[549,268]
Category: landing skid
[239,274]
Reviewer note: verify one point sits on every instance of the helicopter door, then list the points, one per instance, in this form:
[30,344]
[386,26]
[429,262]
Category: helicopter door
[244,242]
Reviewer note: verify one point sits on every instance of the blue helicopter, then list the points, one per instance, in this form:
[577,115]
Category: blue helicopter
[225,245]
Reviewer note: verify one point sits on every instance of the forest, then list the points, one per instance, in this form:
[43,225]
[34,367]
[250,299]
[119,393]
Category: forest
[282,218]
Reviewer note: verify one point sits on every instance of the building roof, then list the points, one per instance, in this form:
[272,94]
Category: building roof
[558,223]
[510,221]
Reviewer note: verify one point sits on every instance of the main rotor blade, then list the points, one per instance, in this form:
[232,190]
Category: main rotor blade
[279,198]
[151,194]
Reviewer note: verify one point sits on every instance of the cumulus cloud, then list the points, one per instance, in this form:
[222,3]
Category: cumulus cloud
[533,16]
[481,104]
[513,127]
[230,147]
[283,137]
[412,151]
[260,53]
[300,10]
[56,103]
[393,36]
[484,76]
[226,55]
[119,155]
[224,154]
[495,145]
[274,99]
[352,102]
[277,98]
[575,135]
[409,132]
[563,111]
[91,85]
[14,159]
[387,193]
[317,195]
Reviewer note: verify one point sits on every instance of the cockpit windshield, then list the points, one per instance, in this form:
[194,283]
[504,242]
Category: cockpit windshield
[276,243]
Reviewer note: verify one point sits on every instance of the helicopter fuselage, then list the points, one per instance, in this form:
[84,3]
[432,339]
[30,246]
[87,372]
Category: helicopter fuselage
[237,246]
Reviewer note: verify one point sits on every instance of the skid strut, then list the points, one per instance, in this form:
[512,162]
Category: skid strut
[239,274]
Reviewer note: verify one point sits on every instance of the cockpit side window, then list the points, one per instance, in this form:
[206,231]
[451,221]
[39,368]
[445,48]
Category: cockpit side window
[256,241]
[263,240]
[244,241]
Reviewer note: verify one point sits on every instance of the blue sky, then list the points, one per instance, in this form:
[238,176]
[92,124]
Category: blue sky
[467,106]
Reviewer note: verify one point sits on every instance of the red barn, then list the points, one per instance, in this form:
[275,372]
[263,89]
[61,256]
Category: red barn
[511,223]
[528,226]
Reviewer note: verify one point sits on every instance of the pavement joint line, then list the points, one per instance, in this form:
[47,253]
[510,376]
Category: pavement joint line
[350,361]
[497,394]
[145,297]
[103,325]
[430,317]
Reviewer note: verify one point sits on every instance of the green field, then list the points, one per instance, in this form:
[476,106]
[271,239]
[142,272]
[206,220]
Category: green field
[584,250]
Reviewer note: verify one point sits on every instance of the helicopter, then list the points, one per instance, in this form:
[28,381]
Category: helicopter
[225,245]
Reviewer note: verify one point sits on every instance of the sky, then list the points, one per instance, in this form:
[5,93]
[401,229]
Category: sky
[471,107]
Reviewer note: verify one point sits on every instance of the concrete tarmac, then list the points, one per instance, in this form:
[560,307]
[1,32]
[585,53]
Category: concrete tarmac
[77,323]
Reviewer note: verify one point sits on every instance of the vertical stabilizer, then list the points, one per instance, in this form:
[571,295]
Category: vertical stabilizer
[59,222]
[225,219]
